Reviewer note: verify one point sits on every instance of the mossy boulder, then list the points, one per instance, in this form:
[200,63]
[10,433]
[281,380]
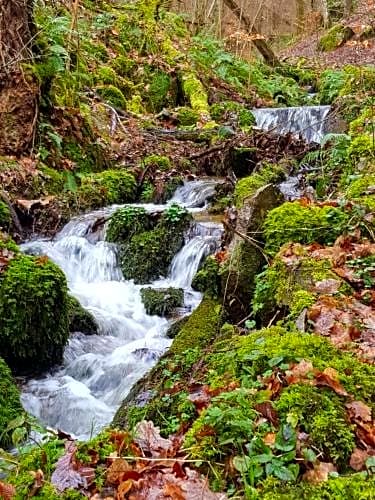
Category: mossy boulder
[126,222]
[299,223]
[289,288]
[10,405]
[362,185]
[246,187]
[80,320]
[207,280]
[186,116]
[5,216]
[148,255]
[176,326]
[335,37]
[108,187]
[162,301]
[33,314]
[247,259]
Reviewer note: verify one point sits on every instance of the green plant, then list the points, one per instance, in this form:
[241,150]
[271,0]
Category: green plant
[162,301]
[10,406]
[175,214]
[5,217]
[364,269]
[126,222]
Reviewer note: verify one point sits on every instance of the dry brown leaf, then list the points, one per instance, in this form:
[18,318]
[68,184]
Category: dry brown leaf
[299,372]
[359,411]
[329,378]
[124,489]
[7,491]
[149,440]
[268,411]
[327,286]
[69,474]
[319,473]
[116,471]
[358,459]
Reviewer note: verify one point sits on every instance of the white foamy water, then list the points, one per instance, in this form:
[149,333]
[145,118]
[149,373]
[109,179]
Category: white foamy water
[81,396]
[309,122]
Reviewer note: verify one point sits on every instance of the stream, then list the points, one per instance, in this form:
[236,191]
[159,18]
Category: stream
[81,396]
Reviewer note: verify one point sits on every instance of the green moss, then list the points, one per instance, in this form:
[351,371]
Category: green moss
[162,163]
[201,328]
[335,37]
[187,116]
[80,320]
[294,222]
[362,148]
[355,486]
[358,187]
[5,217]
[110,186]
[322,415]
[207,279]
[112,95]
[148,255]
[33,314]
[50,181]
[229,111]
[158,91]
[106,75]
[162,301]
[126,222]
[289,287]
[245,188]
[10,405]
[195,94]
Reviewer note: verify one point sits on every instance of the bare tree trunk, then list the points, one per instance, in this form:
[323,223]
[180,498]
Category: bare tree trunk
[259,42]
[18,90]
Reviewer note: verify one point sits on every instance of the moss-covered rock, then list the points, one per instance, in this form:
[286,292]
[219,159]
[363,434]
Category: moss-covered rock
[187,116]
[126,222]
[80,320]
[10,405]
[295,222]
[363,184]
[162,301]
[246,187]
[5,216]
[33,314]
[176,326]
[207,279]
[148,255]
[335,37]
[110,186]
[247,259]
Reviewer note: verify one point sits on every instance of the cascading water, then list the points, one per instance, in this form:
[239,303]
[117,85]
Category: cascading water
[310,122]
[81,396]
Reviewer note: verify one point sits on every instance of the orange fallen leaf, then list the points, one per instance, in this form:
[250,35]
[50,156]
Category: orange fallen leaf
[319,473]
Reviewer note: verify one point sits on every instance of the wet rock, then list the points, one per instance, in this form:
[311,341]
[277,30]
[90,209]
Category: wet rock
[162,301]
[80,320]
[238,279]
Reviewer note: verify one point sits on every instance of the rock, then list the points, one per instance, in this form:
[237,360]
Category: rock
[162,301]
[238,279]
[80,320]
[335,38]
[367,32]
[176,326]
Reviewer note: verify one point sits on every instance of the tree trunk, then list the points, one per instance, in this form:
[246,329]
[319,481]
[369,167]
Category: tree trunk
[18,90]
[267,53]
[348,7]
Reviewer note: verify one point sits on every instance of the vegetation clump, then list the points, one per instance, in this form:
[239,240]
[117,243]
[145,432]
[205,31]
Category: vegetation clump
[207,279]
[10,405]
[110,186]
[5,216]
[126,222]
[162,301]
[335,37]
[80,319]
[294,222]
[33,314]
[246,187]
[148,254]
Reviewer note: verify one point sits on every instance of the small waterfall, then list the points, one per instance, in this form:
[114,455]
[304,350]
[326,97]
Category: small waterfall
[81,396]
[310,122]
[194,194]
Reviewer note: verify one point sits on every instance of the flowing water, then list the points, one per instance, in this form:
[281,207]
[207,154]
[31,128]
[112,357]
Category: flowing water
[309,122]
[81,396]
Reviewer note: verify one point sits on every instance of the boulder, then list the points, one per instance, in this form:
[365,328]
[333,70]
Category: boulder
[335,38]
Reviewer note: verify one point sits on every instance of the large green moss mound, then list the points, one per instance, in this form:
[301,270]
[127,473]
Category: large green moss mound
[294,222]
[126,222]
[335,37]
[33,314]
[10,406]
[110,186]
[148,255]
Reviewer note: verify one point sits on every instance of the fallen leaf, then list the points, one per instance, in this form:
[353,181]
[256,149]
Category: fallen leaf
[68,474]
[358,459]
[329,378]
[319,473]
[327,286]
[123,489]
[359,411]
[7,491]
[116,471]
[148,438]
[299,372]
[268,411]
